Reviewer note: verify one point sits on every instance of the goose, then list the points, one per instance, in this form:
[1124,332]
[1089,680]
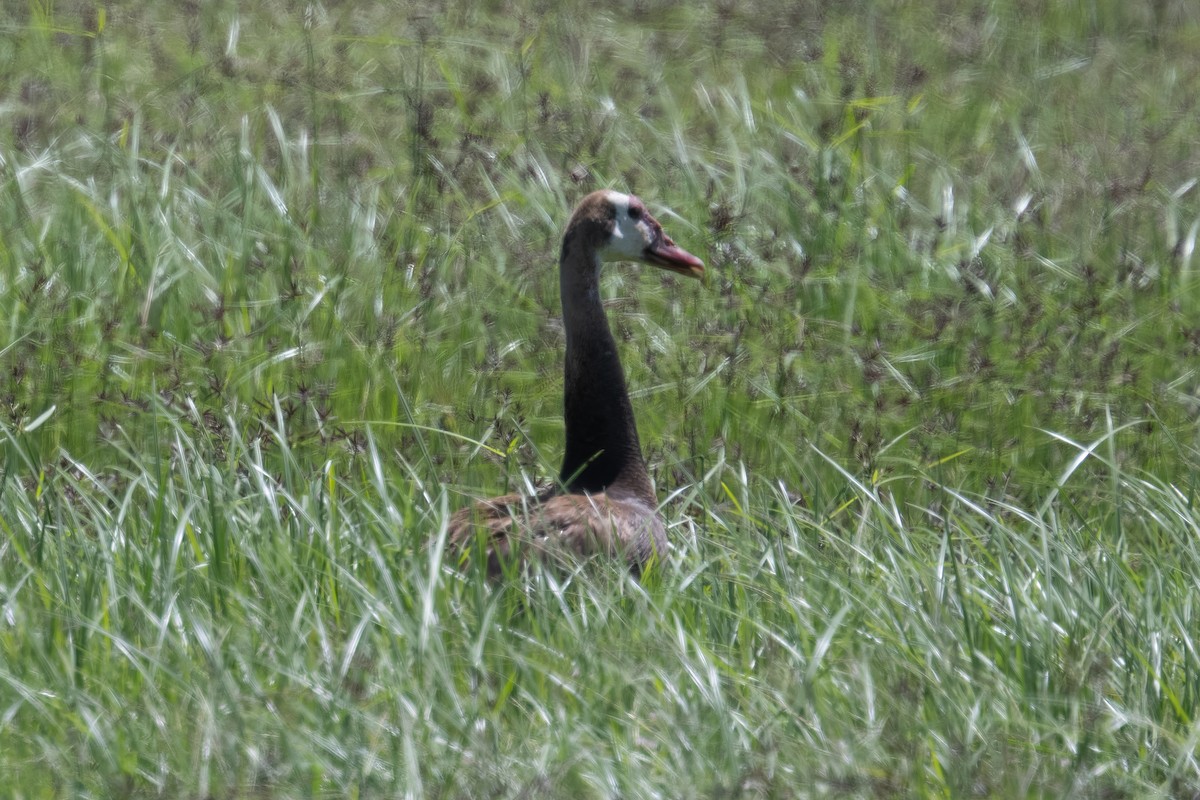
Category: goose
[604,501]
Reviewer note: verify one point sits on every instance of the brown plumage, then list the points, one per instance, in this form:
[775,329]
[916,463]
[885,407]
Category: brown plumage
[605,502]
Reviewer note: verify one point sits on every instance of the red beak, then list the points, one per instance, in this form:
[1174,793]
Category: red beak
[663,252]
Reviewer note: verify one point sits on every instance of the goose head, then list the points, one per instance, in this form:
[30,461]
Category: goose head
[618,227]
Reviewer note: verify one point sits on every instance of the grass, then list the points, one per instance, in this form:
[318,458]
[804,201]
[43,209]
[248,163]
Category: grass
[277,291]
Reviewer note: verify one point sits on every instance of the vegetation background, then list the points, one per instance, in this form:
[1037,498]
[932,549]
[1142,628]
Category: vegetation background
[277,294]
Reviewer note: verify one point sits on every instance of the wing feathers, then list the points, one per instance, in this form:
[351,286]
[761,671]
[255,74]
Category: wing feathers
[550,525]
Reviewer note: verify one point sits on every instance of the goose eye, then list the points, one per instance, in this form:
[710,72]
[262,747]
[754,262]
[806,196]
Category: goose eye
[635,212]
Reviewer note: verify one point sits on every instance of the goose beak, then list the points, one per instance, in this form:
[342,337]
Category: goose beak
[663,252]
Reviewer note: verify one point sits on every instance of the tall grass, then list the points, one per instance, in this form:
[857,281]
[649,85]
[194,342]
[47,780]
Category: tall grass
[278,296]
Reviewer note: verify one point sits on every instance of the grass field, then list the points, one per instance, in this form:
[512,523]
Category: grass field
[278,294]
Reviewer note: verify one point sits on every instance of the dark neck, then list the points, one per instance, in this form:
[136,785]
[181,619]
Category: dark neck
[602,441]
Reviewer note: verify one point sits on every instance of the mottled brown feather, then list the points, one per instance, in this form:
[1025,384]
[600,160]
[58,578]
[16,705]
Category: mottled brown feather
[551,526]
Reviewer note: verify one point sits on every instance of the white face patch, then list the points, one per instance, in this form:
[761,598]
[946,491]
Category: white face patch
[630,237]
